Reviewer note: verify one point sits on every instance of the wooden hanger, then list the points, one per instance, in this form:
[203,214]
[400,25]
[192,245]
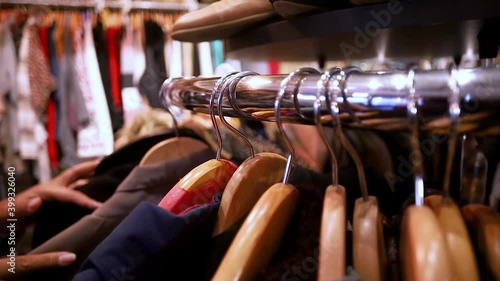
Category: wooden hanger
[252,178]
[450,219]
[456,235]
[332,249]
[259,236]
[172,149]
[332,243]
[423,250]
[369,254]
[486,228]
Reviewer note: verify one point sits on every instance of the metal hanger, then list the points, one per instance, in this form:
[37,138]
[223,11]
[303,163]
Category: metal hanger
[332,249]
[454,111]
[252,178]
[229,87]
[348,71]
[422,239]
[460,250]
[277,113]
[172,148]
[336,86]
[369,255]
[258,238]
[215,91]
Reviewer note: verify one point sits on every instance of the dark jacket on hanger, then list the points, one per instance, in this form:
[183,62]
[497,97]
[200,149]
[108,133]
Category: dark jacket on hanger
[112,170]
[144,184]
[101,48]
[156,71]
[153,244]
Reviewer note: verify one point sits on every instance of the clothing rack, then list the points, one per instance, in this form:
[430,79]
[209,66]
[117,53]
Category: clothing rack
[112,4]
[376,100]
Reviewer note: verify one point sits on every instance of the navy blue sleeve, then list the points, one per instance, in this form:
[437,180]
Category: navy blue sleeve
[146,231]
[152,244]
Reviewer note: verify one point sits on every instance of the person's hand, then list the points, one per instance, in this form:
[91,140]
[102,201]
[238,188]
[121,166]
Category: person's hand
[60,188]
[30,265]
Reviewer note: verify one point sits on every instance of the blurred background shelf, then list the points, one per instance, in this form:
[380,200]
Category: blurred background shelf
[414,29]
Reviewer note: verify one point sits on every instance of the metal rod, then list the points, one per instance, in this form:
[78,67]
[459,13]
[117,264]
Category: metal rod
[378,99]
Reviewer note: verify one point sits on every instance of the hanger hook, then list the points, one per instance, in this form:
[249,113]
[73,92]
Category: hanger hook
[215,90]
[322,89]
[277,114]
[348,71]
[228,87]
[303,71]
[416,155]
[164,90]
[335,87]
[454,111]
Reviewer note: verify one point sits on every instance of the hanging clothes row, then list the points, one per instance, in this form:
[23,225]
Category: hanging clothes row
[71,79]
[175,208]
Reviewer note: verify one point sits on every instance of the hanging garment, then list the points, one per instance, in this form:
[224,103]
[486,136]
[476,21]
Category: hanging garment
[50,113]
[145,183]
[102,43]
[205,57]
[32,134]
[131,98]
[170,252]
[74,114]
[187,58]
[217,48]
[8,93]
[41,81]
[110,172]
[26,115]
[175,59]
[155,73]
[113,34]
[96,139]
[140,56]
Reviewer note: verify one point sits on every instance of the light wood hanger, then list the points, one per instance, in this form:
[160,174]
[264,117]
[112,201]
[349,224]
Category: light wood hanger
[245,188]
[369,254]
[174,148]
[486,228]
[450,219]
[260,235]
[332,243]
[456,235]
[423,251]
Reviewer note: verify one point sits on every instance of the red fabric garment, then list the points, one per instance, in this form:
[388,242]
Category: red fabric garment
[50,111]
[274,67]
[50,126]
[43,40]
[179,200]
[113,34]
